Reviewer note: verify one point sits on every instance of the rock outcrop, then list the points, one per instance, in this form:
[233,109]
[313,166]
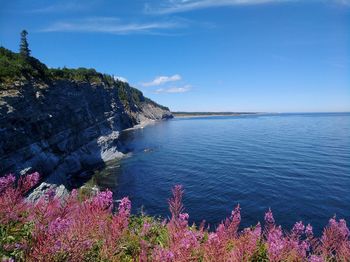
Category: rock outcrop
[64,127]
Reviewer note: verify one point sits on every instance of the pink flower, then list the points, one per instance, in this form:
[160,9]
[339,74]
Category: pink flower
[51,193]
[257,231]
[175,203]
[145,229]
[183,216]
[269,219]
[303,247]
[125,204]
[163,255]
[308,231]
[73,228]
[6,181]
[332,222]
[232,224]
[74,193]
[33,178]
[103,200]
[344,230]
[212,237]
[275,244]
[236,214]
[58,225]
[25,183]
[298,229]
[335,239]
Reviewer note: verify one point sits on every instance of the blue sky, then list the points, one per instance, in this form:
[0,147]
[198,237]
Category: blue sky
[199,55]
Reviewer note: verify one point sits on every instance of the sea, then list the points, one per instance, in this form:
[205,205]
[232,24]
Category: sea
[296,164]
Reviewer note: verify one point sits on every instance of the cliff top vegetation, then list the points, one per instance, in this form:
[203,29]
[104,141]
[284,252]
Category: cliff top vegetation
[21,67]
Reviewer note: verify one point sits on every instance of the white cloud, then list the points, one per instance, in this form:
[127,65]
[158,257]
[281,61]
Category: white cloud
[120,78]
[109,25]
[160,80]
[178,6]
[174,90]
[64,6]
[343,2]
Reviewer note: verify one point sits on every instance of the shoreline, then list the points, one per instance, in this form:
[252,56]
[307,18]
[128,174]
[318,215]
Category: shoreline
[141,125]
[110,155]
[189,115]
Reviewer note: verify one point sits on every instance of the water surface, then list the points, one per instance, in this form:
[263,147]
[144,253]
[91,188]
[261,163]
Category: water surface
[296,164]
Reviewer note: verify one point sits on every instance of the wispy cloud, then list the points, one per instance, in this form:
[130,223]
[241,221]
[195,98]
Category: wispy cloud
[178,6]
[343,2]
[109,25]
[160,80]
[174,90]
[64,6]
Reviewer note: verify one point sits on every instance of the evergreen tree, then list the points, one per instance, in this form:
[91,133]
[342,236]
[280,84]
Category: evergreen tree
[24,47]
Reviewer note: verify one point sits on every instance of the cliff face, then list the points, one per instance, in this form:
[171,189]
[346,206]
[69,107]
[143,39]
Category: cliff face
[63,127]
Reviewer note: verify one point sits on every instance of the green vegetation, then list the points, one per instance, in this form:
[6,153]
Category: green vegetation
[89,228]
[15,67]
[24,46]
[25,68]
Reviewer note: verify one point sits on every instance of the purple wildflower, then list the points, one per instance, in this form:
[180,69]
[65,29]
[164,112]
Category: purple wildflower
[33,178]
[333,222]
[344,230]
[183,216]
[212,237]
[189,240]
[163,255]
[269,220]
[25,183]
[275,244]
[175,203]
[58,225]
[74,193]
[145,229]
[57,245]
[308,231]
[236,214]
[298,229]
[73,227]
[257,231]
[125,205]
[51,193]
[103,200]
[269,217]
[6,182]
[303,248]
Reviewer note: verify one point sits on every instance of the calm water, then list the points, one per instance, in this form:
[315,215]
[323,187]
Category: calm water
[297,164]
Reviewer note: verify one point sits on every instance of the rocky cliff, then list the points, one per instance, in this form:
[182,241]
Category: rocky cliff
[60,125]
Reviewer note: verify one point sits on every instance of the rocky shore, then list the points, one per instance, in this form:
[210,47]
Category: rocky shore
[65,127]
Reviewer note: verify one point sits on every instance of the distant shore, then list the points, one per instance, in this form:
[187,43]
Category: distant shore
[208,114]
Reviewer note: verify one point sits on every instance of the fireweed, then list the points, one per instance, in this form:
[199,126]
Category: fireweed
[87,229]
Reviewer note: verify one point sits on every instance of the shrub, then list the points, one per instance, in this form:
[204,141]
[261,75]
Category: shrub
[88,228]
[16,67]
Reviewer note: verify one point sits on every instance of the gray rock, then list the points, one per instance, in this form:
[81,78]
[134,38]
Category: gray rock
[59,129]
